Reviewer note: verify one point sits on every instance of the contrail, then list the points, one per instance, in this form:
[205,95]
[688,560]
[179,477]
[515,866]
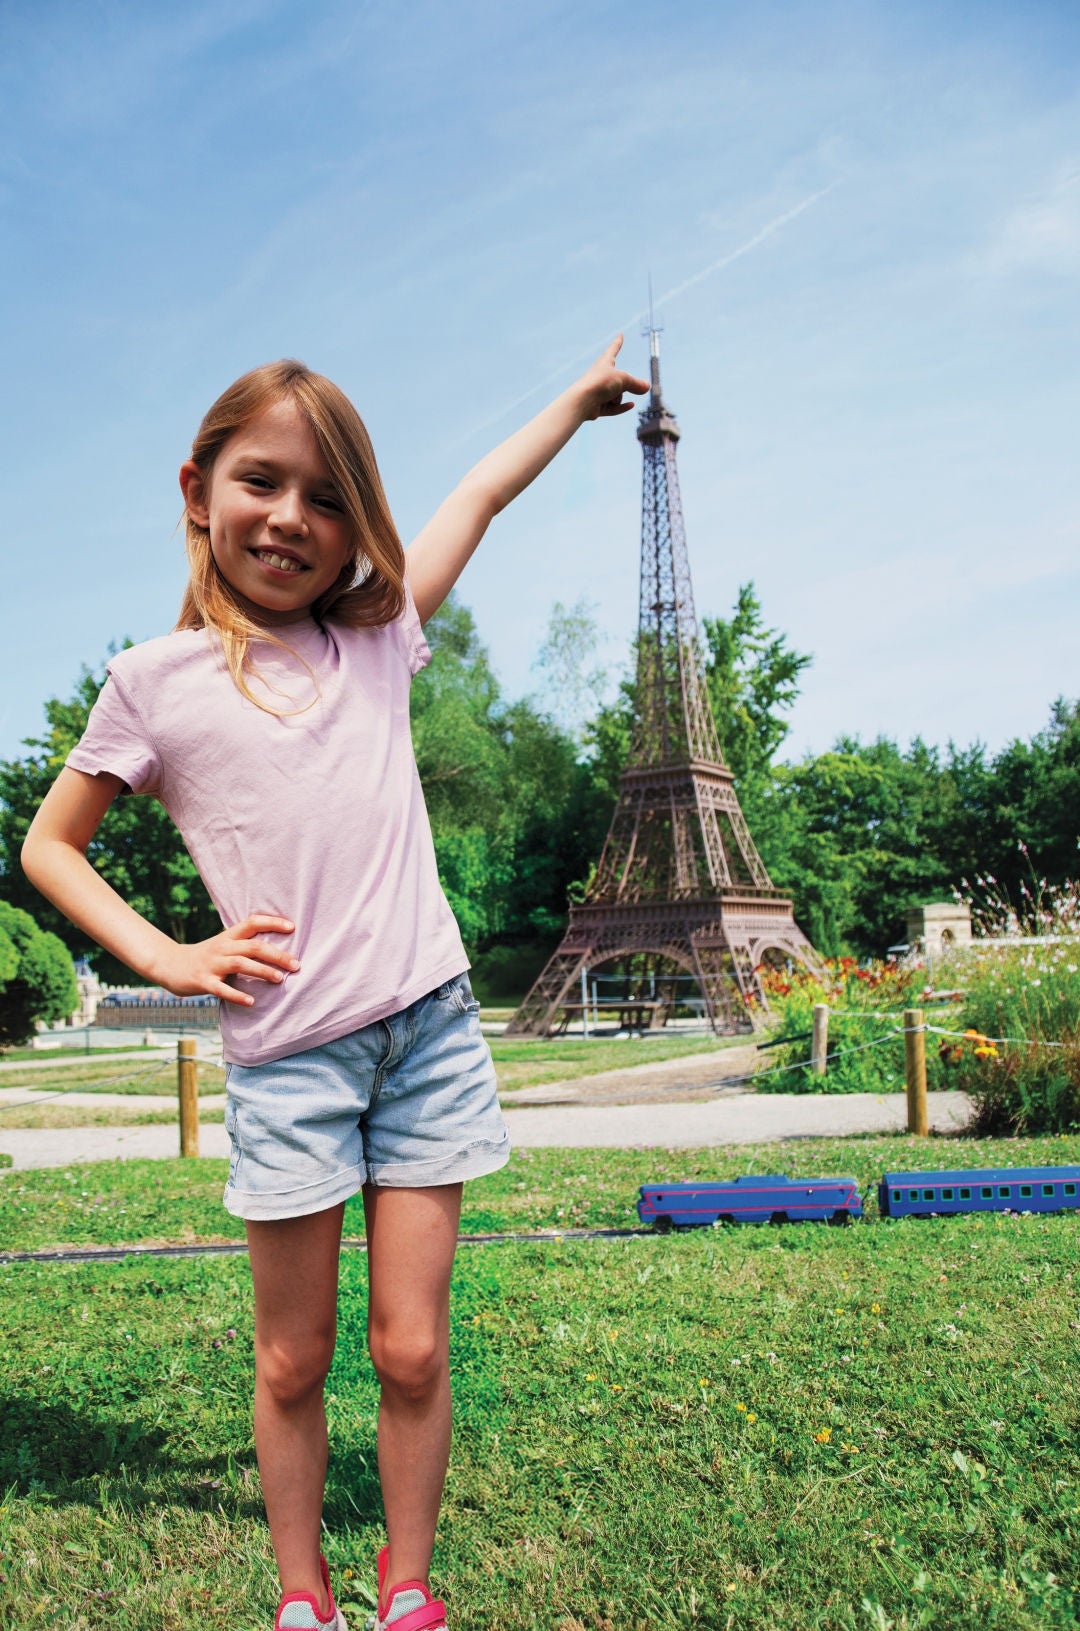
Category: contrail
[671,294]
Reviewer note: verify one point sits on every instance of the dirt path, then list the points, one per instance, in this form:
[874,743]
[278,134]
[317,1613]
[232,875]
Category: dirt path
[694,1078]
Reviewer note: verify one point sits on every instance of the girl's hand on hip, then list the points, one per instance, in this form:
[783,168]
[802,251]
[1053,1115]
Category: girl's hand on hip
[601,388]
[202,969]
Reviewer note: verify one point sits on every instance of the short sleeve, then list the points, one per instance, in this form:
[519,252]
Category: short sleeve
[117,741]
[417,647]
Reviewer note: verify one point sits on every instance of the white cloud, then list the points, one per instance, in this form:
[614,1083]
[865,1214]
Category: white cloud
[1043,234]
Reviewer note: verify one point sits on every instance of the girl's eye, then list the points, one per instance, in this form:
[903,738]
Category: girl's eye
[257,481]
[332,504]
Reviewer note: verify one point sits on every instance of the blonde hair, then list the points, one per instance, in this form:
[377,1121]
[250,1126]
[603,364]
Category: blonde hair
[370,588]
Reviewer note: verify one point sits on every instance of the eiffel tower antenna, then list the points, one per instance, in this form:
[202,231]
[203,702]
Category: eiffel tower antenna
[679,881]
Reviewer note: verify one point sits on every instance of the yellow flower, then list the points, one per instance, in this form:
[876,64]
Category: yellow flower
[616,1387]
[705,1382]
[590,1376]
[740,1407]
[875,1308]
[750,1416]
[824,1436]
[612,1335]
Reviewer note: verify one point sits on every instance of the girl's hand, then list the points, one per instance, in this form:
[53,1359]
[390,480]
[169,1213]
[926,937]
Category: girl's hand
[601,389]
[202,969]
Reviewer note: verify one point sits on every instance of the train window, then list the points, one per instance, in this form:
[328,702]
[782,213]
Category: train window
[1004,1191]
[913,1194]
[1025,1189]
[1048,1189]
[1070,1189]
[946,1194]
[928,1194]
[965,1194]
[898,1194]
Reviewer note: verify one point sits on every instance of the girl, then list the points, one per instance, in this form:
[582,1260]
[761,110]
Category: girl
[273,725]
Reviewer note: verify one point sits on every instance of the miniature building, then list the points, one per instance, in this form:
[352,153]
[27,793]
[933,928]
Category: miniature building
[939,927]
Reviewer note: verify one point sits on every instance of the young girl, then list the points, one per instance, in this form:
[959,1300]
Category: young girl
[273,725]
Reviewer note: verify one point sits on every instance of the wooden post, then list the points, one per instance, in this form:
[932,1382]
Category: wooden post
[915,1070]
[819,1047]
[187,1068]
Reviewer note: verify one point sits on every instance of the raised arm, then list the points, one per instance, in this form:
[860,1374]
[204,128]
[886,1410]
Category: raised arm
[439,553]
[54,859]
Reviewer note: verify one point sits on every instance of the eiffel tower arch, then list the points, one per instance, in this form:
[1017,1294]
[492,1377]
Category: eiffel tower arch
[679,877]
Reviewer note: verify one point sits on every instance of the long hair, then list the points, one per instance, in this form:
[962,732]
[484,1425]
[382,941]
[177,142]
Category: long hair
[370,588]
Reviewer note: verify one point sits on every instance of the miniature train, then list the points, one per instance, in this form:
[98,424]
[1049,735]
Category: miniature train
[751,1200]
[775,1199]
[982,1189]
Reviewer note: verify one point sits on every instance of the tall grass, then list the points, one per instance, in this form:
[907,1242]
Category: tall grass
[1022,1068]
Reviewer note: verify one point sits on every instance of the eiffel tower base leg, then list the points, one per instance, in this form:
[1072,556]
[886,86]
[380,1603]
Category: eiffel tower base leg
[549,991]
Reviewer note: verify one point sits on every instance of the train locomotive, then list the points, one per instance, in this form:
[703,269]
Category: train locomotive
[770,1199]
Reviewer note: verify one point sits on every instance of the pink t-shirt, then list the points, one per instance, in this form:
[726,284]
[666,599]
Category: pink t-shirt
[318,817]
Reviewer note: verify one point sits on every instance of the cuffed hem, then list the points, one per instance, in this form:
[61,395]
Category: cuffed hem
[474,1160]
[294,1203]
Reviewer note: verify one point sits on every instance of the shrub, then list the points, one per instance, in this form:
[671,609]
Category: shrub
[37,976]
[865,1004]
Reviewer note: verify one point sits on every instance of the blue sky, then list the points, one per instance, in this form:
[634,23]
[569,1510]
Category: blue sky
[448,207]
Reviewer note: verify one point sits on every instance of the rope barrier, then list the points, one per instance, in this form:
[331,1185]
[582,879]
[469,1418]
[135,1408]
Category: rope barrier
[156,1068]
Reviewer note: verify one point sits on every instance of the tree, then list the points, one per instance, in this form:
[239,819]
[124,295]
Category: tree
[753,677]
[37,976]
[574,683]
[137,849]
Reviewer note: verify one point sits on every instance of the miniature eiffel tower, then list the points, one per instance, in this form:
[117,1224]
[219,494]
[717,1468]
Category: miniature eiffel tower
[679,880]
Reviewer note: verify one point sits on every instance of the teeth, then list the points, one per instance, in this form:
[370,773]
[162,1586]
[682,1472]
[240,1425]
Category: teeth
[282,562]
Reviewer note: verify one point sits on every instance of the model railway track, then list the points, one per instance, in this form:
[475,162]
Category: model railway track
[238,1248]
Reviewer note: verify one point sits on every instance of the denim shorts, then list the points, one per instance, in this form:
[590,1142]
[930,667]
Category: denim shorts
[408,1101]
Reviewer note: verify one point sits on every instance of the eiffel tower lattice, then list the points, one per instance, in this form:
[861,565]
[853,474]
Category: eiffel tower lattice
[679,878]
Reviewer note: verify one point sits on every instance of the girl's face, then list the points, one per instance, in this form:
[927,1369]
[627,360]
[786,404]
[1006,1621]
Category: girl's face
[278,531]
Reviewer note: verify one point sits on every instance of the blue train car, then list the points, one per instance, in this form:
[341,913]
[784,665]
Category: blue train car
[750,1200]
[981,1189]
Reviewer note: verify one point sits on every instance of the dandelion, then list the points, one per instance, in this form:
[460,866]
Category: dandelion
[824,1436]
[875,1308]
[705,1381]
[740,1407]
[750,1416]
[590,1376]
[616,1387]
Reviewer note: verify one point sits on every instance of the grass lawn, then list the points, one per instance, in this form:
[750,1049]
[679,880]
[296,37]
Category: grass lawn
[794,1428]
[518,1064]
[16,1055]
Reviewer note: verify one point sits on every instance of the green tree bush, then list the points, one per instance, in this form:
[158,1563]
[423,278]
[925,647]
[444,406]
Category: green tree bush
[37,976]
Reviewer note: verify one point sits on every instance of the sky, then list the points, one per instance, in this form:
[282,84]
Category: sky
[862,221]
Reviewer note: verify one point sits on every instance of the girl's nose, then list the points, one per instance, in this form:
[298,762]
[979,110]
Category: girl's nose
[287,514]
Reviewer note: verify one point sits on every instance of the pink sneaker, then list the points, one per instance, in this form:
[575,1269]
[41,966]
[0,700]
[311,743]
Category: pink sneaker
[299,1611]
[410,1607]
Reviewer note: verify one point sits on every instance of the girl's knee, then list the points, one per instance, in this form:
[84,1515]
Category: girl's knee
[294,1370]
[409,1361]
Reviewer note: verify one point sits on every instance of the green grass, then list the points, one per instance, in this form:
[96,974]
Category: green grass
[526,1062]
[518,1063]
[14,1055]
[109,1076]
[906,1451]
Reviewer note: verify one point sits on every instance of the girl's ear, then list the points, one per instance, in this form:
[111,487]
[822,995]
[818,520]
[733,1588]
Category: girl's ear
[193,485]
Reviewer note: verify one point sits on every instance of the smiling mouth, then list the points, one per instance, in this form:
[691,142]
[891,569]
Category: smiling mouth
[280,563]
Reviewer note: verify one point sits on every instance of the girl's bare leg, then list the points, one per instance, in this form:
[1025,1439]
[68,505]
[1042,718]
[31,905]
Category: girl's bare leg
[411,1237]
[294,1265]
